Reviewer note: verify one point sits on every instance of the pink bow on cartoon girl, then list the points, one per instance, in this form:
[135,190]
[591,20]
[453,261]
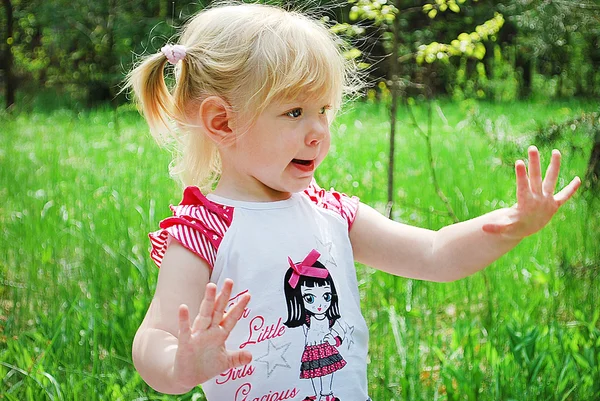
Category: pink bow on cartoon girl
[305,268]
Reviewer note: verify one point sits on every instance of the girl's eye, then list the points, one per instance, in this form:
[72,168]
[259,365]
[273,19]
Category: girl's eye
[327,297]
[324,109]
[309,298]
[295,113]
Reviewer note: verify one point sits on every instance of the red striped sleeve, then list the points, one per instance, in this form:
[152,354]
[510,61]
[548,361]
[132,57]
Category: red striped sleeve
[197,223]
[340,203]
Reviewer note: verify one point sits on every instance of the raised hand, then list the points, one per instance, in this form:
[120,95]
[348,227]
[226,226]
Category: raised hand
[536,201]
[201,352]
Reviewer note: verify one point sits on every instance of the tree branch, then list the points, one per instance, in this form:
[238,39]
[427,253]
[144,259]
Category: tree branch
[427,136]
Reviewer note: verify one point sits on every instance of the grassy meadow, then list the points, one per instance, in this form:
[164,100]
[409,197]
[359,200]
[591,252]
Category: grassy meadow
[80,191]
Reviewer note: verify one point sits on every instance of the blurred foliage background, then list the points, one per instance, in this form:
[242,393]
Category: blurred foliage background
[469,84]
[76,51]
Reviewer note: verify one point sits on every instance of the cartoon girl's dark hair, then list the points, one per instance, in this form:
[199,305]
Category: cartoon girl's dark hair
[297,314]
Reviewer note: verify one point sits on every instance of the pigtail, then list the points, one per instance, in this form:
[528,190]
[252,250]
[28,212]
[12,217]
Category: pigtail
[152,96]
[196,160]
[199,163]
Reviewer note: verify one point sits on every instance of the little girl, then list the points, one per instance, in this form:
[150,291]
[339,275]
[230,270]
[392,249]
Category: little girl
[256,89]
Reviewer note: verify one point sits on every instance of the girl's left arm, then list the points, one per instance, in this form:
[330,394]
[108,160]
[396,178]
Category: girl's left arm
[336,335]
[461,249]
[338,330]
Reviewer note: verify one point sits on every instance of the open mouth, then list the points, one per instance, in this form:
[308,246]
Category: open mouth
[303,162]
[305,166]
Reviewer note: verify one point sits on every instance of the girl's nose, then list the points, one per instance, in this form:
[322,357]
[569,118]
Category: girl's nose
[319,131]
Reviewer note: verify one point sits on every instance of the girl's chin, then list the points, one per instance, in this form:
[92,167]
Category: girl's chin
[301,188]
[298,183]
[287,186]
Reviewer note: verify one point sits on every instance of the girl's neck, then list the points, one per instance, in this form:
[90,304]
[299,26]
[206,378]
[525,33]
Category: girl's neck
[249,193]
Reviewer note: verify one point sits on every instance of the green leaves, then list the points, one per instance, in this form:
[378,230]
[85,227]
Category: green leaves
[466,44]
[441,5]
[378,11]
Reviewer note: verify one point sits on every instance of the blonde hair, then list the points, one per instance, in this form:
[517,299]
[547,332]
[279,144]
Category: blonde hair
[247,54]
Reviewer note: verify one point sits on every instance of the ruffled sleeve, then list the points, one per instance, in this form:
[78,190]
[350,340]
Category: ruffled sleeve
[197,223]
[338,202]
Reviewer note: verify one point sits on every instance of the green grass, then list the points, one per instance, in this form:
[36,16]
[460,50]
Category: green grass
[81,190]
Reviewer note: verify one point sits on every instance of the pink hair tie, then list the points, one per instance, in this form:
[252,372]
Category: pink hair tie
[174,53]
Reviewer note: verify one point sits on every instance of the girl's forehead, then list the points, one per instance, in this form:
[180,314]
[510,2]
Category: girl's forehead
[317,100]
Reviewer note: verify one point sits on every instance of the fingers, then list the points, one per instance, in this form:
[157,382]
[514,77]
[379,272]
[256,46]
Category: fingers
[494,228]
[238,358]
[568,191]
[234,314]
[500,227]
[523,189]
[212,308]
[535,173]
[205,314]
[549,184]
[184,324]
[530,179]
[221,302]
[501,223]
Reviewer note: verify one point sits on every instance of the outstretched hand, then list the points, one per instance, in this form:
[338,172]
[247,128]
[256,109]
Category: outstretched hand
[536,201]
[201,352]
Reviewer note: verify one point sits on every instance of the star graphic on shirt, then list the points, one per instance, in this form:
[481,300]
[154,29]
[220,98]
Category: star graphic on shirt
[325,249]
[349,333]
[274,357]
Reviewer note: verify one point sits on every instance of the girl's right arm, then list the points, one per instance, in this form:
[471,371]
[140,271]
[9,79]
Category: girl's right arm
[464,248]
[172,354]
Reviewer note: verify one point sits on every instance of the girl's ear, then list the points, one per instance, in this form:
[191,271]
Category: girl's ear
[215,117]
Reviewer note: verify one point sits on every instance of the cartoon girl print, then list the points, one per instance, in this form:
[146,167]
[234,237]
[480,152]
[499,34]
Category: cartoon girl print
[312,304]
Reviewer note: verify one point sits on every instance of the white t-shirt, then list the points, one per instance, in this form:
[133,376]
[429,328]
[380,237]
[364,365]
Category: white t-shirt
[303,324]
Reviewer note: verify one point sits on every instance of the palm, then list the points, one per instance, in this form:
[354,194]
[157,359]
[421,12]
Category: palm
[201,352]
[536,201]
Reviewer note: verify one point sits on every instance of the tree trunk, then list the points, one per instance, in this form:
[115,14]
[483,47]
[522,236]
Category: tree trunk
[393,112]
[112,58]
[102,90]
[525,67]
[592,176]
[9,84]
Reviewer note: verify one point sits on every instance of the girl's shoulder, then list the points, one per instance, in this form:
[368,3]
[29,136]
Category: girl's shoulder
[196,204]
[338,202]
[197,223]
